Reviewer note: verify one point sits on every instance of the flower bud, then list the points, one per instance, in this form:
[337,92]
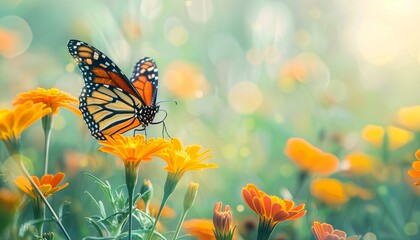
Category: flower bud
[146,191]
[190,195]
[223,222]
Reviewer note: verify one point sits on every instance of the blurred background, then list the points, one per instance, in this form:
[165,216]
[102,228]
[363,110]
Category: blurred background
[247,76]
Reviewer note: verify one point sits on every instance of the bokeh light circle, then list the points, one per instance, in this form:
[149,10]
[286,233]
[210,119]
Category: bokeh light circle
[15,36]
[411,228]
[185,80]
[376,41]
[151,9]
[200,11]
[370,236]
[245,97]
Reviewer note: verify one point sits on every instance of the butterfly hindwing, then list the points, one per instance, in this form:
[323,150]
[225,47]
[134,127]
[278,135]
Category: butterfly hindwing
[108,110]
[145,80]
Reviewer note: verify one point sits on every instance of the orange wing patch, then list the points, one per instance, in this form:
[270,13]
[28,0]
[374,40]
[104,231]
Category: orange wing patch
[112,79]
[145,89]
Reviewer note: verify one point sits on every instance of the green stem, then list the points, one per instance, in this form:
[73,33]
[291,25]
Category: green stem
[46,148]
[130,217]
[25,171]
[46,125]
[181,220]
[164,199]
[265,229]
[39,214]
[131,169]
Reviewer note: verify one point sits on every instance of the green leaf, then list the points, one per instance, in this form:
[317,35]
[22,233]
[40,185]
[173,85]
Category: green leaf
[105,186]
[102,209]
[93,200]
[97,226]
[26,225]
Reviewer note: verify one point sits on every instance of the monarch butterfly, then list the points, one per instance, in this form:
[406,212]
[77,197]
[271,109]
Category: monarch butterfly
[110,102]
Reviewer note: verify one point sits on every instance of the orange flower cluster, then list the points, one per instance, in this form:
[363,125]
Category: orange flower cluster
[309,158]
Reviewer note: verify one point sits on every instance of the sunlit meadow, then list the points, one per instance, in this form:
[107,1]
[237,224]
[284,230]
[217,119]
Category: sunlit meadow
[293,120]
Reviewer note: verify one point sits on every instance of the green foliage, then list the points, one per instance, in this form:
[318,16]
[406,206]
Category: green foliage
[110,225]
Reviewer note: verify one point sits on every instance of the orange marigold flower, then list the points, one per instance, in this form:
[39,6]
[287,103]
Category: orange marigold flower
[396,137]
[223,222]
[14,122]
[324,231]
[133,149]
[334,192]
[181,160]
[329,191]
[200,228]
[271,210]
[415,172]
[309,158]
[48,184]
[52,98]
[409,117]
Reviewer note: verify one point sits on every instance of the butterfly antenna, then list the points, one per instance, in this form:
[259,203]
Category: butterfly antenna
[174,101]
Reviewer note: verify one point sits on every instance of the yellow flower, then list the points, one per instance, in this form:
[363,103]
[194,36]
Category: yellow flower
[329,191]
[358,163]
[202,229]
[415,172]
[132,149]
[181,160]
[14,122]
[324,231]
[271,210]
[409,117]
[397,137]
[48,184]
[52,98]
[309,158]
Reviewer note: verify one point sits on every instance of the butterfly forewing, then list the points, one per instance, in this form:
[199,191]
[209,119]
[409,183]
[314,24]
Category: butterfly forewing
[97,68]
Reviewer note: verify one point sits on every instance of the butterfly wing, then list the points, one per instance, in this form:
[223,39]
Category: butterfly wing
[108,100]
[145,80]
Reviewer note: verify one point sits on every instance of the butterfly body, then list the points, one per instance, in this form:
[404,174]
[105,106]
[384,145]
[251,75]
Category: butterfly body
[110,102]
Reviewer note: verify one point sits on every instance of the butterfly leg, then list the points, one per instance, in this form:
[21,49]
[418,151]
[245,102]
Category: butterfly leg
[139,130]
[164,129]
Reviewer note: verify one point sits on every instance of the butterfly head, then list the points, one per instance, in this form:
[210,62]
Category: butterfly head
[147,114]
